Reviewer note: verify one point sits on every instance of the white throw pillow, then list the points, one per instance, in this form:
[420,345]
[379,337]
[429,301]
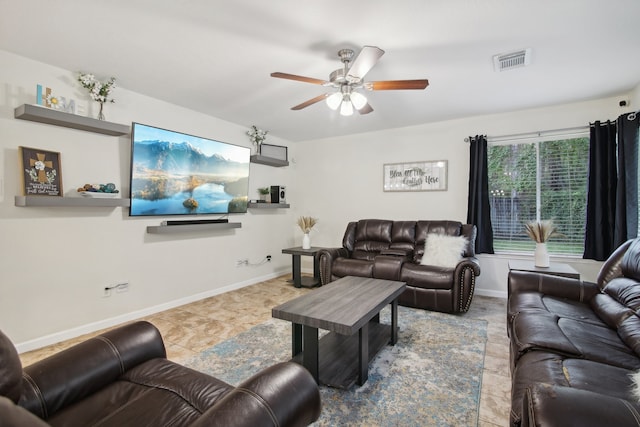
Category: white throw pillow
[635,377]
[443,250]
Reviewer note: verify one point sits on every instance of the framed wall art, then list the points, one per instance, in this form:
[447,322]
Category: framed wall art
[415,176]
[41,175]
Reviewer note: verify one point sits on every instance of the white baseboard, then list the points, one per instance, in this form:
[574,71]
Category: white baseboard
[57,337]
[490,293]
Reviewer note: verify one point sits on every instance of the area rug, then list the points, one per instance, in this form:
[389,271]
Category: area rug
[431,377]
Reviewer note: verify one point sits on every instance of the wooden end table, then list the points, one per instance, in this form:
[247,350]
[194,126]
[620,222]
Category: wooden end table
[554,269]
[298,280]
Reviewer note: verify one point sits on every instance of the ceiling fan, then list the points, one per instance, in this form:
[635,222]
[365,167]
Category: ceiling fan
[349,80]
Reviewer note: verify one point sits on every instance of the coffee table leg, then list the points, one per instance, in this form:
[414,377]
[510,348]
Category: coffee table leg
[363,354]
[296,271]
[394,322]
[296,339]
[310,358]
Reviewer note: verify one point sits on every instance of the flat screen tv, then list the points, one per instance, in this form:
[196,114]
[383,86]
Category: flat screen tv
[173,173]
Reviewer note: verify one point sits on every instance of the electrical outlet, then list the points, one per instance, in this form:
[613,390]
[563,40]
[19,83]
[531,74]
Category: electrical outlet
[268,258]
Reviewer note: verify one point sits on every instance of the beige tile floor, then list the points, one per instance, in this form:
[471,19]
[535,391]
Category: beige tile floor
[189,329]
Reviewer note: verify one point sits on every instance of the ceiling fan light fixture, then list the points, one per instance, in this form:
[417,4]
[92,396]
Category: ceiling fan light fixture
[346,109]
[334,100]
[358,100]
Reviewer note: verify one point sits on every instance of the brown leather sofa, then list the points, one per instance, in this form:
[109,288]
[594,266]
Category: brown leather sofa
[122,378]
[393,250]
[574,345]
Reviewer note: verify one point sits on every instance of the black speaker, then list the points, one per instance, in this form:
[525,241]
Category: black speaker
[278,194]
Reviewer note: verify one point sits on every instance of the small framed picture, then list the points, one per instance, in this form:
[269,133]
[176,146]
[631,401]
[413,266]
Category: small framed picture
[41,175]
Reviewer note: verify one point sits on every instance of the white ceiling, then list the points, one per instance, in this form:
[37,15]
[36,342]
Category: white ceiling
[216,56]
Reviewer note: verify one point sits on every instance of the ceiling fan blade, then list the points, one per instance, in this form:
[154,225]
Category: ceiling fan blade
[366,59]
[397,84]
[366,109]
[310,102]
[299,78]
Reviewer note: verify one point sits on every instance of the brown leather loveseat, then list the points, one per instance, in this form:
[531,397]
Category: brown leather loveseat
[575,345]
[122,378]
[395,250]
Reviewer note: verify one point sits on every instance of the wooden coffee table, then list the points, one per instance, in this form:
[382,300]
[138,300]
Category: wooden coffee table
[349,308]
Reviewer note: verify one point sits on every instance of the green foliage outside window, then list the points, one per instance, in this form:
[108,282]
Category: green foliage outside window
[537,181]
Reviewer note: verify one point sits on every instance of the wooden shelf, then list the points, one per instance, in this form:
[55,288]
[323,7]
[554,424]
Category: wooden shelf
[168,229]
[57,201]
[269,161]
[268,205]
[38,113]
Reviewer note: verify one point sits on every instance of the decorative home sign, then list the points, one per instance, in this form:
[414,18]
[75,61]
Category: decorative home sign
[41,172]
[415,176]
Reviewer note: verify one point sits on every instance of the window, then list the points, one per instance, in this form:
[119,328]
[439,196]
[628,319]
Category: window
[537,181]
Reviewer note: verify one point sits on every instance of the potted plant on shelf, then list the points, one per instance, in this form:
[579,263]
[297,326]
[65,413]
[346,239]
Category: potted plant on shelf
[540,232]
[306,223]
[264,194]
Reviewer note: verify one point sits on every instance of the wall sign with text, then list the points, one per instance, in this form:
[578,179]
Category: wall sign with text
[415,176]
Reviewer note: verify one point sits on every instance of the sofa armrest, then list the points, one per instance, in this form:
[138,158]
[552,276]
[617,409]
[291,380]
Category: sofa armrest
[464,283]
[326,257]
[562,287]
[284,395]
[550,405]
[70,375]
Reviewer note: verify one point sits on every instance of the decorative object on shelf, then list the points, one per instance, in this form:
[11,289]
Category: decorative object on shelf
[42,175]
[99,190]
[46,98]
[306,223]
[99,91]
[540,232]
[415,176]
[257,137]
[265,194]
[278,152]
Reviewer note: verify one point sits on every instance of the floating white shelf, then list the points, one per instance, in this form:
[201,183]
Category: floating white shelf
[269,161]
[57,201]
[268,205]
[167,229]
[38,113]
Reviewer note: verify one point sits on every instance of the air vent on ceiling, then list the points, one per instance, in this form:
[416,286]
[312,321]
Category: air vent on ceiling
[508,61]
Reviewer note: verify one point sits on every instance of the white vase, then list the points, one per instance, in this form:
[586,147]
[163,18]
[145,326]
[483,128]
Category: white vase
[306,242]
[541,255]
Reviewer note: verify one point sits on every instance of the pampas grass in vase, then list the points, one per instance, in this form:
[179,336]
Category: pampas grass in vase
[540,232]
[306,223]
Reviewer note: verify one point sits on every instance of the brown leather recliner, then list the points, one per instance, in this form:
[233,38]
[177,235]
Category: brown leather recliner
[575,344]
[122,378]
[393,250]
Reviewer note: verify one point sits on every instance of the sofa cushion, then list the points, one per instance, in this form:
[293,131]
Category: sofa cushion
[157,392]
[543,303]
[403,236]
[426,276]
[371,237]
[443,250]
[559,370]
[352,267]
[554,334]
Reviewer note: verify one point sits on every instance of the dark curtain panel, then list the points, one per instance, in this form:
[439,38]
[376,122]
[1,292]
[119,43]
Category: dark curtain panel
[626,225]
[601,193]
[478,210]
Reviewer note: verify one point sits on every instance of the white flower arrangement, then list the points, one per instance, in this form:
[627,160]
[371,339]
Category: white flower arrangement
[257,136]
[98,91]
